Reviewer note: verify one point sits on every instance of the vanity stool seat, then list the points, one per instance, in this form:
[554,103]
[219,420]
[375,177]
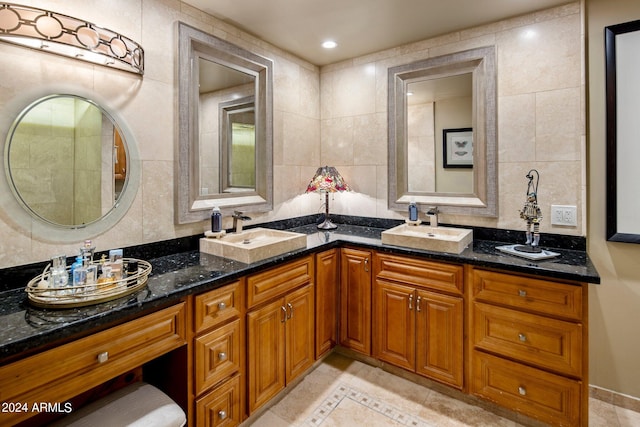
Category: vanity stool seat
[139,404]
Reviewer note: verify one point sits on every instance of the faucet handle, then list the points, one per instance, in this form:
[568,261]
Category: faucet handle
[432,210]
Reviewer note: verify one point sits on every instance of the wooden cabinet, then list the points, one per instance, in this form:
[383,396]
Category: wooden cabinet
[327,289]
[528,340]
[61,373]
[220,406]
[355,299]
[416,325]
[218,356]
[280,331]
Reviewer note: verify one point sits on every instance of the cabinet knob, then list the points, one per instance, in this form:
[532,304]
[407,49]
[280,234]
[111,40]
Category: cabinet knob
[522,293]
[103,357]
[222,306]
[222,356]
[522,391]
[222,414]
[522,337]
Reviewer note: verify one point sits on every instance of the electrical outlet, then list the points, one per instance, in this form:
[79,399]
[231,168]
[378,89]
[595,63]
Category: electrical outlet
[564,215]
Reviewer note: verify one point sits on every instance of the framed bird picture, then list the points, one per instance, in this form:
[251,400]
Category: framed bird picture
[457,148]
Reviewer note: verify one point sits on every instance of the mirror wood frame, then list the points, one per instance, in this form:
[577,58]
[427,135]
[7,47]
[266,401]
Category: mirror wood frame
[621,121]
[481,62]
[193,44]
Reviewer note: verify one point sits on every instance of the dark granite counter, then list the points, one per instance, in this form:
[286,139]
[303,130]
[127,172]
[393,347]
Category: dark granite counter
[26,329]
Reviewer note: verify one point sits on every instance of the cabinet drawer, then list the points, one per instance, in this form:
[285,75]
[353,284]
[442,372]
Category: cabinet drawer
[221,406]
[550,398]
[536,295]
[66,371]
[217,355]
[547,343]
[277,281]
[411,271]
[217,306]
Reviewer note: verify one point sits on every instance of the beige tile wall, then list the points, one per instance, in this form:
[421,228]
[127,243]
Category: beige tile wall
[335,116]
[540,115]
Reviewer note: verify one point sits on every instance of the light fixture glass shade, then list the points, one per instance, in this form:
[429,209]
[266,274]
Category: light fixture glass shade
[327,180]
[67,36]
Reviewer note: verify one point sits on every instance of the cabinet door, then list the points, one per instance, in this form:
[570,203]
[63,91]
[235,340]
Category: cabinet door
[394,324]
[266,356]
[327,289]
[299,329]
[355,300]
[439,337]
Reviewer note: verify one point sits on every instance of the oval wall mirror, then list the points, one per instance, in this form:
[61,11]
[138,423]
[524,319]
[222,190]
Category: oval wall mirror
[69,164]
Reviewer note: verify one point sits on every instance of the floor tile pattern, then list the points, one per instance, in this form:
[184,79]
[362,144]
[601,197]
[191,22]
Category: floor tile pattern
[342,392]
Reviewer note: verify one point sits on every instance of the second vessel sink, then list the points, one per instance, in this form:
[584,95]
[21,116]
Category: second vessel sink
[254,244]
[440,239]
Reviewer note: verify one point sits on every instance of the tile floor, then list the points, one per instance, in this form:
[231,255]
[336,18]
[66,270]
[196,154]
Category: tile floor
[345,392]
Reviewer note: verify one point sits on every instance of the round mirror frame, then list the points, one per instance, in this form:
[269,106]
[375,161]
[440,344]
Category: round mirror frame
[17,210]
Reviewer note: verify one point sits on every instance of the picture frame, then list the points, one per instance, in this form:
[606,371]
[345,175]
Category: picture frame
[457,148]
[622,68]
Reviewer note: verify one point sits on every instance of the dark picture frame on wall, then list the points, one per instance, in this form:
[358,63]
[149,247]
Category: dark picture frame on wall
[622,73]
[457,148]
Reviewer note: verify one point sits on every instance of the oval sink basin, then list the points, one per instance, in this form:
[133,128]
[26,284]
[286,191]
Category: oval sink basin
[254,244]
[439,239]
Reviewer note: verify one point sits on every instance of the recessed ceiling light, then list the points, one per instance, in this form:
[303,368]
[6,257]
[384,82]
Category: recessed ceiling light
[329,44]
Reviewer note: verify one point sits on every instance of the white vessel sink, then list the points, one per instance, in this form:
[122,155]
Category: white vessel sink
[254,244]
[439,239]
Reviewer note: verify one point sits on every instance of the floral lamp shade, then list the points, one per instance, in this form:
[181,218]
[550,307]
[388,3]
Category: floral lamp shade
[327,180]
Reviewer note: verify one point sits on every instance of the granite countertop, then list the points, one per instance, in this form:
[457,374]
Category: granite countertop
[27,329]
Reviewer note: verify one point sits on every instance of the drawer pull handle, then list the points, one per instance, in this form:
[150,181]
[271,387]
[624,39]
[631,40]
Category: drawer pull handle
[410,302]
[222,356]
[522,293]
[522,337]
[284,314]
[222,414]
[222,306]
[418,304]
[366,265]
[522,391]
[103,357]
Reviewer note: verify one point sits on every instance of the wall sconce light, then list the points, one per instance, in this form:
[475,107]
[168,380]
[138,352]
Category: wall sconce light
[67,36]
[327,180]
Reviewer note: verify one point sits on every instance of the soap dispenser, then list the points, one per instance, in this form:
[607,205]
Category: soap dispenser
[413,211]
[216,220]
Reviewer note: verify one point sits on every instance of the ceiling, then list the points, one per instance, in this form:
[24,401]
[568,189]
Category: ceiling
[359,26]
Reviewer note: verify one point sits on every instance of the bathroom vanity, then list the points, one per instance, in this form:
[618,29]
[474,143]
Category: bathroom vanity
[223,338]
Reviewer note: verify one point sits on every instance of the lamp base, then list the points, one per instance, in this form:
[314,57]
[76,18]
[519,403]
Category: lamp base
[327,225]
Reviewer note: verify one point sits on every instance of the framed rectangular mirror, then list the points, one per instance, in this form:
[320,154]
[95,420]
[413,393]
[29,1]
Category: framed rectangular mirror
[225,147]
[622,44]
[434,102]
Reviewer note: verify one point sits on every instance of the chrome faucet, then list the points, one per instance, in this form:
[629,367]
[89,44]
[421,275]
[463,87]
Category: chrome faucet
[238,217]
[432,214]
